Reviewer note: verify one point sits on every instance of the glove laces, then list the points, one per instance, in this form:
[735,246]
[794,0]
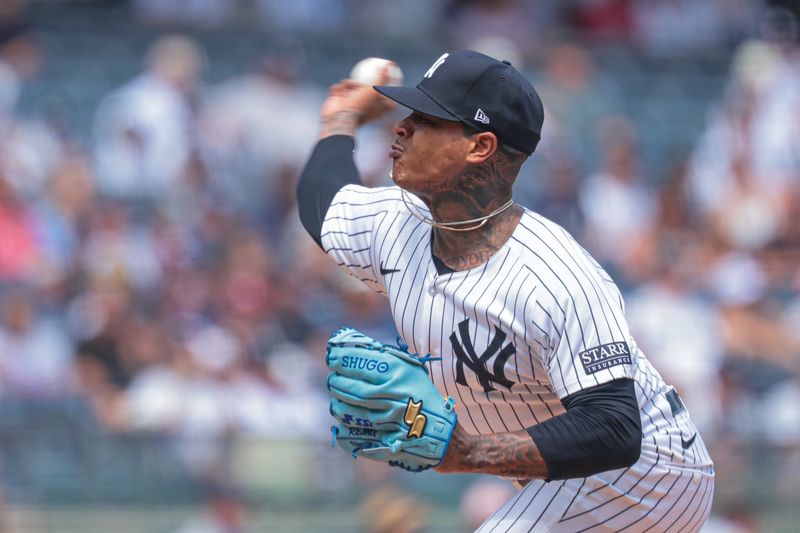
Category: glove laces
[421,358]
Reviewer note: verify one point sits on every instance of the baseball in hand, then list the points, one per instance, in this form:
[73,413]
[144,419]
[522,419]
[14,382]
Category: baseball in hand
[368,69]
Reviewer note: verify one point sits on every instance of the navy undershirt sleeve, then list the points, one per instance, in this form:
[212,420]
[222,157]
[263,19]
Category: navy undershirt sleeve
[329,168]
[601,430]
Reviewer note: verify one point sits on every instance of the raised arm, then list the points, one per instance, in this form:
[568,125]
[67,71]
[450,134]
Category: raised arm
[330,166]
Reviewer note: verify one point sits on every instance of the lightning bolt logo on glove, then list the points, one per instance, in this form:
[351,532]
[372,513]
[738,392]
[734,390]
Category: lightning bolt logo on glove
[414,419]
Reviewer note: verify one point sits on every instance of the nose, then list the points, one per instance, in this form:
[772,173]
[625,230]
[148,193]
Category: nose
[404,128]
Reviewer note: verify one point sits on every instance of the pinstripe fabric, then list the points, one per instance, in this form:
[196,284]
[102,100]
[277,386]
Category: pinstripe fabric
[516,335]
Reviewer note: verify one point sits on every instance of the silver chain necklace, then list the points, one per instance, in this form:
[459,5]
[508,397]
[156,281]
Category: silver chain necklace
[449,226]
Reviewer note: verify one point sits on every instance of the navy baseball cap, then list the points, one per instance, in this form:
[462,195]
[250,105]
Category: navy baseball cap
[480,91]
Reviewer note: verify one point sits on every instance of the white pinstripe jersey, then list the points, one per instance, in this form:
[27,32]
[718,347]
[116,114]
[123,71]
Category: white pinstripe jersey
[540,320]
[537,322]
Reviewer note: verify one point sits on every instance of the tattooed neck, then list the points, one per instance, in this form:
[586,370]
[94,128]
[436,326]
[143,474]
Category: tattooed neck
[478,191]
[341,123]
[465,250]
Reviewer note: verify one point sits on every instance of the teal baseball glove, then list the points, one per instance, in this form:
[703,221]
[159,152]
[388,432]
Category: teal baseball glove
[386,405]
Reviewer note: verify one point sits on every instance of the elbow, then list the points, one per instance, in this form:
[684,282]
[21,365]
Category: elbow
[630,443]
[623,455]
[631,450]
[303,192]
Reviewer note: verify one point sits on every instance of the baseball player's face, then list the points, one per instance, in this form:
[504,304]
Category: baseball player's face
[428,152]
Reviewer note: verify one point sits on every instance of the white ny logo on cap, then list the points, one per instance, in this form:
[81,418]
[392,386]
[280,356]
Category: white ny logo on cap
[436,64]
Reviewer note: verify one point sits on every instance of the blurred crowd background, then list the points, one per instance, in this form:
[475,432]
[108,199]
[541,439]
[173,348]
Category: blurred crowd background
[163,315]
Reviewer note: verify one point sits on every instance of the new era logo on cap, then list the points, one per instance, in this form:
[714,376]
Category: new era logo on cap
[480,91]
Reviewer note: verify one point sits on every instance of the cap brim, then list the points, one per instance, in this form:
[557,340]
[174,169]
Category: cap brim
[413,98]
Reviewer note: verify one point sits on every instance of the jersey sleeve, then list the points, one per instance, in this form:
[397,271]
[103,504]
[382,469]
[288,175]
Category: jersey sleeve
[329,168]
[352,227]
[581,320]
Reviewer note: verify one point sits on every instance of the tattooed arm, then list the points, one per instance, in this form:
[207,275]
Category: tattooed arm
[330,166]
[343,122]
[512,455]
[600,431]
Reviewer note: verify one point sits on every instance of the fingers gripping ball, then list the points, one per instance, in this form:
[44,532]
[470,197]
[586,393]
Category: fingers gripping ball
[368,70]
[386,405]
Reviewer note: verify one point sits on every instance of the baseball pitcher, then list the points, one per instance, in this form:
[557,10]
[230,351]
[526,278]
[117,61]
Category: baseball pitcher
[514,357]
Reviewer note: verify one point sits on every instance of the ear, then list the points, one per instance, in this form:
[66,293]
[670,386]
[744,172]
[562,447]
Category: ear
[484,146]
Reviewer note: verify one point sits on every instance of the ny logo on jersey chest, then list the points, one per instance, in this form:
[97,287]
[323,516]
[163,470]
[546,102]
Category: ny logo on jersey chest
[479,364]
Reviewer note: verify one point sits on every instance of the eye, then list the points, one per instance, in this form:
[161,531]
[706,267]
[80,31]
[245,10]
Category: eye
[422,119]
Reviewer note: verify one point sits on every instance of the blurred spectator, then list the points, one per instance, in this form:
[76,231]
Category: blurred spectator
[747,215]
[577,97]
[620,209]
[100,307]
[691,359]
[186,303]
[729,132]
[35,352]
[117,246]
[61,212]
[734,278]
[678,228]
[29,149]
[751,135]
[281,397]
[143,132]
[30,154]
[775,128]
[761,367]
[557,197]
[246,152]
[243,292]
[102,377]
[21,252]
[97,318]
[173,393]
[20,58]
